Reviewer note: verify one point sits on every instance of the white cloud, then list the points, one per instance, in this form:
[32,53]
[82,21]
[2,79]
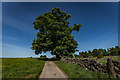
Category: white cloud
[105,41]
[10,45]
[107,35]
[18,24]
[10,50]
[11,38]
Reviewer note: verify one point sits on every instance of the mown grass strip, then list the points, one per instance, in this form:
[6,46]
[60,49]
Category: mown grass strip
[21,67]
[104,60]
[75,71]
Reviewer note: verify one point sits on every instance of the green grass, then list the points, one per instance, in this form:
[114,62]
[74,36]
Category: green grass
[21,67]
[104,60]
[75,71]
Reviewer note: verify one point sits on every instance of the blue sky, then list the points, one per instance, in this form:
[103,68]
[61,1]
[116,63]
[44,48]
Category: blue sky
[99,25]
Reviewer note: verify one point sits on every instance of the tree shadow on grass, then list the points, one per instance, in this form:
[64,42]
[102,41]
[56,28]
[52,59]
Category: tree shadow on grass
[43,59]
[48,59]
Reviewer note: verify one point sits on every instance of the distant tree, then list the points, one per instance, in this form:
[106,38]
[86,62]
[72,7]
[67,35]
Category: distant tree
[104,52]
[100,51]
[89,52]
[115,51]
[111,51]
[80,54]
[85,54]
[117,48]
[54,34]
[76,56]
[95,52]
[43,56]
[108,50]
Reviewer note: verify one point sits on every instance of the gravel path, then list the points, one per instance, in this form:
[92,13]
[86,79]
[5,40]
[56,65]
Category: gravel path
[50,70]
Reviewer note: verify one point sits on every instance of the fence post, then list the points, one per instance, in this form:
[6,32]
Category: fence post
[111,67]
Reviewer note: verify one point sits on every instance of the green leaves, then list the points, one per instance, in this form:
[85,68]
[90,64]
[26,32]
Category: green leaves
[76,27]
[55,33]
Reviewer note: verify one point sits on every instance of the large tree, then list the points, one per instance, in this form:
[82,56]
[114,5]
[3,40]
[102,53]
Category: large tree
[54,34]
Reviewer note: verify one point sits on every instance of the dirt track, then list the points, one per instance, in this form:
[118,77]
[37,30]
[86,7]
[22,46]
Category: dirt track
[50,70]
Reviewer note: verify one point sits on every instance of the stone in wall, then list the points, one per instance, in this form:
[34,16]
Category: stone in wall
[117,70]
[118,75]
[116,63]
[111,66]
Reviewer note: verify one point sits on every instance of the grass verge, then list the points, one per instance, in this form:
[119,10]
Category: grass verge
[75,71]
[21,67]
[104,60]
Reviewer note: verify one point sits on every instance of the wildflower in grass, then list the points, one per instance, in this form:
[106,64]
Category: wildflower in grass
[4,66]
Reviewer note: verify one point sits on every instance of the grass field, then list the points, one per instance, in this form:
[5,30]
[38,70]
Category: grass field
[104,60]
[75,71]
[21,67]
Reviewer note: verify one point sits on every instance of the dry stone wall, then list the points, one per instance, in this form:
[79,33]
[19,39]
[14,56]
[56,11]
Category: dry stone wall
[112,66]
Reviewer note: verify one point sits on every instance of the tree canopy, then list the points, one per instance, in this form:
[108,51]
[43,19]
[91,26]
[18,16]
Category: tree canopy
[54,34]
[100,52]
